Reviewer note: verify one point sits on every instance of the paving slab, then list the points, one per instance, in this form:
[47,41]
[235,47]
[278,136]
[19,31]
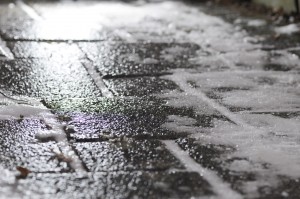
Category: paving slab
[20,148]
[52,77]
[218,158]
[107,118]
[126,155]
[59,185]
[157,185]
[139,86]
[122,59]
[22,130]
[136,184]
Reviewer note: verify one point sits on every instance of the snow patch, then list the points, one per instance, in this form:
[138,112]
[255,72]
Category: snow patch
[288,29]
[180,99]
[181,124]
[263,98]
[150,61]
[264,144]
[256,23]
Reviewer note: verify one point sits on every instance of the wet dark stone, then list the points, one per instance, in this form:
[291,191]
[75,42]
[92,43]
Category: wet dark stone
[126,154]
[18,147]
[156,185]
[287,188]
[47,78]
[238,109]
[207,121]
[216,93]
[113,185]
[139,86]
[34,157]
[122,117]
[285,41]
[206,155]
[25,49]
[20,131]
[131,120]
[62,185]
[296,52]
[276,67]
[213,95]
[212,156]
[215,157]
[228,89]
[114,58]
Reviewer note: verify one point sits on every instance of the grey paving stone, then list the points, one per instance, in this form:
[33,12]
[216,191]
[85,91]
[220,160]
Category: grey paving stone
[125,155]
[175,185]
[214,157]
[62,185]
[139,86]
[287,188]
[296,52]
[35,157]
[18,147]
[119,117]
[51,78]
[117,59]
[114,185]
[45,50]
[20,131]
[113,118]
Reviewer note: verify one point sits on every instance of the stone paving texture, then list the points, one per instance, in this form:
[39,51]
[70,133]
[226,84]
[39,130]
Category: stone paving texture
[146,100]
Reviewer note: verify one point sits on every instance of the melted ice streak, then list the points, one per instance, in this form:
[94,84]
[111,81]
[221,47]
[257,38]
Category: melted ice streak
[259,139]
[10,109]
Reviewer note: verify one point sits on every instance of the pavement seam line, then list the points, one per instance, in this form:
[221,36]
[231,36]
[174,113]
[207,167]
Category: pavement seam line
[219,186]
[29,10]
[223,110]
[61,139]
[5,50]
[98,80]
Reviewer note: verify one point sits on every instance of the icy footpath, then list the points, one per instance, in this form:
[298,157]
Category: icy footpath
[149,100]
[261,103]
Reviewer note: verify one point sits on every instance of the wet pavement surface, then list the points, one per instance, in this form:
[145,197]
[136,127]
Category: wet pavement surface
[147,100]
